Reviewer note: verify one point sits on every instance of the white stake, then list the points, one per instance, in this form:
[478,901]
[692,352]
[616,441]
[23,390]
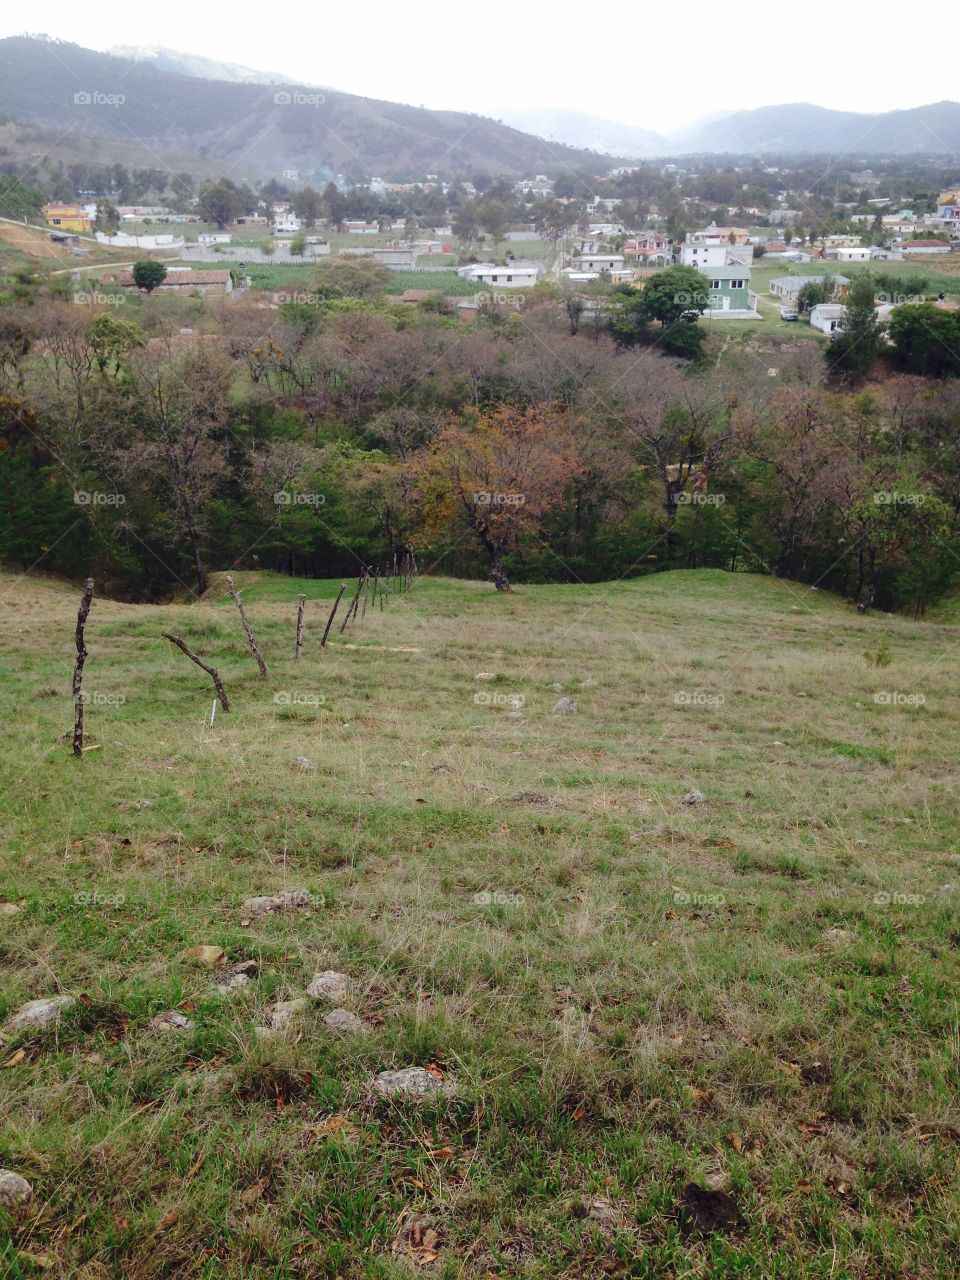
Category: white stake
[213,711]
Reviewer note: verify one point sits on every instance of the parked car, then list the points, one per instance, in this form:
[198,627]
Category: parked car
[789,313]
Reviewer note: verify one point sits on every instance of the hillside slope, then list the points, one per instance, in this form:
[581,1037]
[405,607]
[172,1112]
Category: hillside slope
[258,129]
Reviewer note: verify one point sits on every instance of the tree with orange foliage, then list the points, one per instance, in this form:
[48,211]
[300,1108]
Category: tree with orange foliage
[496,474]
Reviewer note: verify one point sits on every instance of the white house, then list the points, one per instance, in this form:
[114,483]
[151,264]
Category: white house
[508,277]
[848,253]
[599,262]
[909,247]
[214,237]
[715,254]
[285,222]
[787,288]
[606,228]
[828,316]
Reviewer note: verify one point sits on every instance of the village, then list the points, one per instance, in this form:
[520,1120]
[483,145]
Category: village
[754,271]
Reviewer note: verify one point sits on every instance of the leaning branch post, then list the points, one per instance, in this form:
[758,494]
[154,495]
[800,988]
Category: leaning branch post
[231,590]
[212,672]
[85,602]
[326,630]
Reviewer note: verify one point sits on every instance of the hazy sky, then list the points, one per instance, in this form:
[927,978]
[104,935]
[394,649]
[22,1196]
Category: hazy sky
[645,65]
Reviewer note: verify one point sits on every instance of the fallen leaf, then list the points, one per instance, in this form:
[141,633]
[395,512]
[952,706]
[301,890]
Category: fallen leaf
[255,1191]
[168,1220]
[41,1260]
[737,1143]
[702,1095]
[434,1070]
[441,1153]
[17,1058]
[208,957]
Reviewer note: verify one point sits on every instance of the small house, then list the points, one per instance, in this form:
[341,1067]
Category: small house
[828,317]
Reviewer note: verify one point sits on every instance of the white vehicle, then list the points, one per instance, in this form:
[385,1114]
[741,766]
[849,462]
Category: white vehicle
[789,313]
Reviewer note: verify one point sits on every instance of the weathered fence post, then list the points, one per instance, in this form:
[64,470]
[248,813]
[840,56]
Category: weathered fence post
[300,603]
[85,602]
[231,590]
[212,672]
[326,630]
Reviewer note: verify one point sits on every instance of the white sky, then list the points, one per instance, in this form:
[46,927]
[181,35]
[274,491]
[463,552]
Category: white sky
[650,66]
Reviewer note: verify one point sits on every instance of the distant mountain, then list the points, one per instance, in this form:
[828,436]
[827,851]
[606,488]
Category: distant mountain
[802,127]
[193,64]
[256,130]
[576,129]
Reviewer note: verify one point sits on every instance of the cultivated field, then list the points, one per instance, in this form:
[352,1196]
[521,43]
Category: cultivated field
[715,1038]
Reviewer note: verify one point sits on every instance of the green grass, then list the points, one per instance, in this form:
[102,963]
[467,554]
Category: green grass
[448,281]
[756,993]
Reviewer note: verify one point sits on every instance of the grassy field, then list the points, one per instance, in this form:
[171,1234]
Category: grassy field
[651,1017]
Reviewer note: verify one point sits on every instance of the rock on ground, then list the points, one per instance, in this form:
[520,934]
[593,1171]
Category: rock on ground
[298,898]
[565,707]
[14,1190]
[282,1015]
[40,1013]
[207,957]
[344,1020]
[694,797]
[9,909]
[236,977]
[329,985]
[409,1082]
[170,1020]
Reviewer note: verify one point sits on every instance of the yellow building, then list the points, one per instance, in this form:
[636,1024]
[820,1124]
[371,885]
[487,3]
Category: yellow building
[66,217]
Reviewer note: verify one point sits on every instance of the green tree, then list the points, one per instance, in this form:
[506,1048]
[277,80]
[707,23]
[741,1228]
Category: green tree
[298,244]
[108,219]
[926,340]
[334,205]
[308,206]
[852,354]
[493,216]
[220,202]
[812,294]
[112,340]
[148,274]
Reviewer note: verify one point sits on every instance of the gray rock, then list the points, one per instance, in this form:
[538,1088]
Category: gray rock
[565,707]
[170,1020]
[306,763]
[14,1190]
[283,1015]
[236,977]
[297,899]
[555,688]
[9,909]
[694,797]
[344,1020]
[40,1013]
[329,985]
[410,1082]
[534,797]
